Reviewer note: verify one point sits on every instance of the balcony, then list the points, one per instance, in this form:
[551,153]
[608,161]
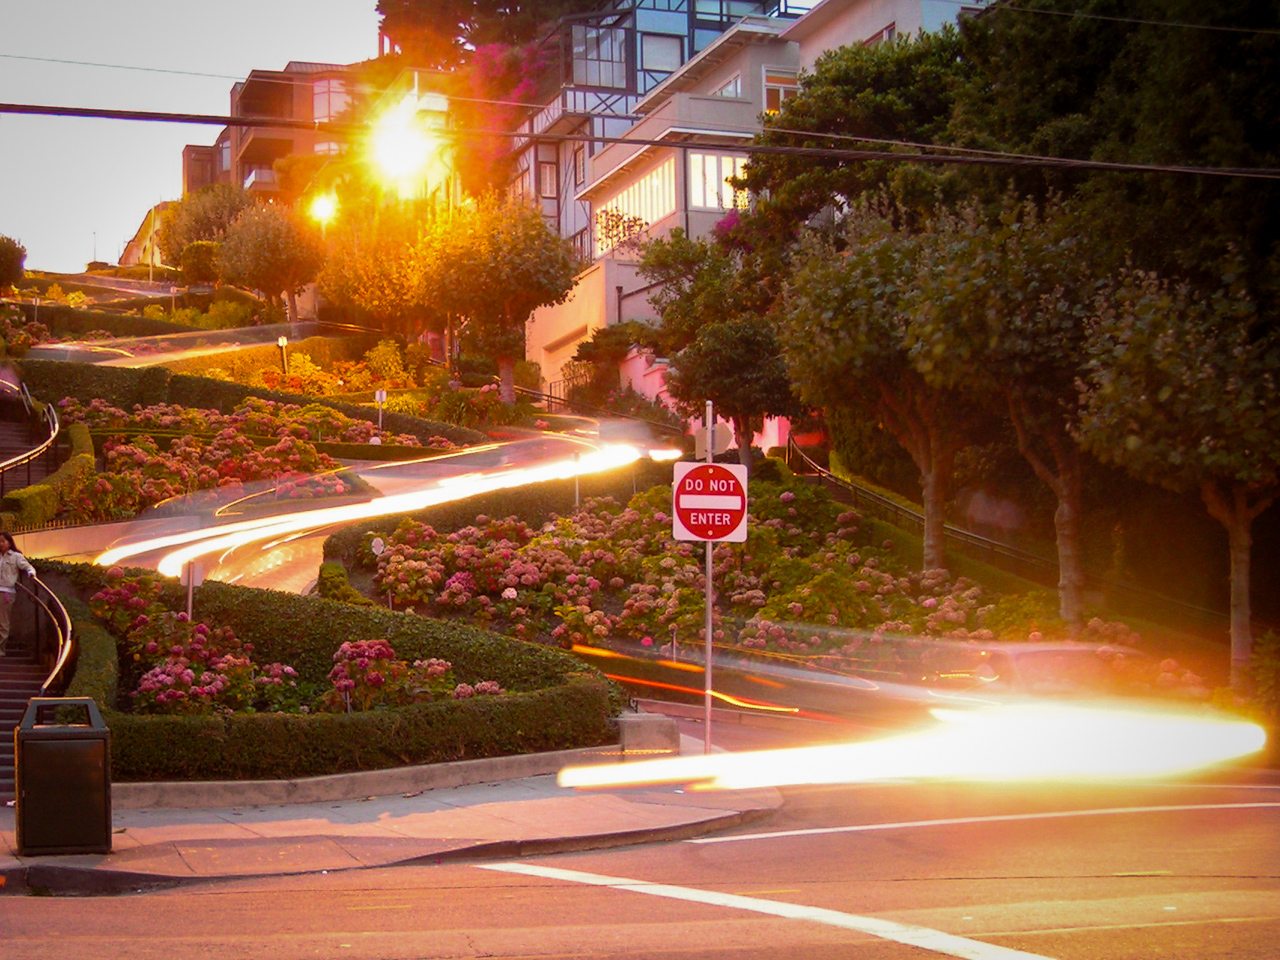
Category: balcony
[262,180]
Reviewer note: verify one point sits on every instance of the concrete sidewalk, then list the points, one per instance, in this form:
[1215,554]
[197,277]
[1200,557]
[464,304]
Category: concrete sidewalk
[181,833]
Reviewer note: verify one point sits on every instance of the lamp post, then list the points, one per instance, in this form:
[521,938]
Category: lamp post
[283,344]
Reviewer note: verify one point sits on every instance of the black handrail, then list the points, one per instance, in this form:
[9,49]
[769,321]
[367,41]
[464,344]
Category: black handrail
[48,418]
[1010,558]
[62,655]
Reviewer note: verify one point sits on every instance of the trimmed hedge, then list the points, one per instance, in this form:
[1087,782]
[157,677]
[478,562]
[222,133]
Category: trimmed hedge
[555,702]
[281,745]
[125,386]
[245,362]
[63,319]
[36,505]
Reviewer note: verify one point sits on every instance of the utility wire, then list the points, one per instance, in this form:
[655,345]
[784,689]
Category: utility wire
[833,153]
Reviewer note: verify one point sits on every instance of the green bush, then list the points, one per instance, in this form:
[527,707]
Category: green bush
[36,505]
[64,320]
[332,584]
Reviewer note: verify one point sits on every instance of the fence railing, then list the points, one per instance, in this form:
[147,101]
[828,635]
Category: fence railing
[54,646]
[44,431]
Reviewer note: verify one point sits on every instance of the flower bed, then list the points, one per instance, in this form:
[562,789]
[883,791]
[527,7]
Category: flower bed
[549,701]
[813,584]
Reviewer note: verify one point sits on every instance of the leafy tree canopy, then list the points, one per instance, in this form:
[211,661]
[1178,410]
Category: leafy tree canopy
[857,97]
[272,249]
[441,34]
[206,214]
[13,258]
[1118,89]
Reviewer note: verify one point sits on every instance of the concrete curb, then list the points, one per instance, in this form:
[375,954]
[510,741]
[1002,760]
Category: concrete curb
[51,879]
[199,794]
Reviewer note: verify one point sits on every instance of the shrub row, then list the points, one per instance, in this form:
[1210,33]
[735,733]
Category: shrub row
[339,451]
[63,319]
[126,386]
[36,505]
[247,361]
[555,702]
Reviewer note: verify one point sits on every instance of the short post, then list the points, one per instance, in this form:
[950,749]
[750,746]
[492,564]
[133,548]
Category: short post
[381,397]
[283,343]
[192,577]
[576,458]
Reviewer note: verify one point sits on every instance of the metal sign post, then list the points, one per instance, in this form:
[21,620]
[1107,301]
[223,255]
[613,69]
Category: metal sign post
[709,503]
[381,397]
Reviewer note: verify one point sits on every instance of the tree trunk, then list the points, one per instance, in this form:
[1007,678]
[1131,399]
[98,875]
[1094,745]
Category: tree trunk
[507,380]
[1233,510]
[291,306]
[933,491]
[743,433]
[1065,479]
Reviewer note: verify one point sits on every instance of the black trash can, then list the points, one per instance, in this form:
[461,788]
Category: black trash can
[63,772]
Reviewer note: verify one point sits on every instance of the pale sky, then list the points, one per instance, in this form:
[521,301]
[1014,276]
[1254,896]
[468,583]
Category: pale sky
[64,179]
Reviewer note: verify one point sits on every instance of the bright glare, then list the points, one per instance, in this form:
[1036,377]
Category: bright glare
[401,146]
[324,207]
[1028,742]
[200,543]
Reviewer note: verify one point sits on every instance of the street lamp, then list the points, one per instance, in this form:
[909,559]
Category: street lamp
[283,344]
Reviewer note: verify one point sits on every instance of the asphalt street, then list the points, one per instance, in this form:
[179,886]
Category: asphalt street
[894,871]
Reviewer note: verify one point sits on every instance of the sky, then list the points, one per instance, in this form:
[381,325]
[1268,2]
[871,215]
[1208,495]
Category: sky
[72,189]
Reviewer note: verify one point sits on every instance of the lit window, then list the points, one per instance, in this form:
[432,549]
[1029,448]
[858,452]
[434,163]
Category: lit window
[709,187]
[547,180]
[779,86]
[579,166]
[648,200]
[731,89]
[328,147]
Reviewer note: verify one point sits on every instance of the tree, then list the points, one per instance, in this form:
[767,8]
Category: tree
[844,333]
[13,258]
[503,262]
[206,214]
[272,249]
[1070,78]
[738,366]
[200,262]
[384,259]
[1180,390]
[857,97]
[997,310]
[442,34]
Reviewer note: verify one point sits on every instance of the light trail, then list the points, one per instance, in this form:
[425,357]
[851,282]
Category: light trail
[1016,742]
[199,543]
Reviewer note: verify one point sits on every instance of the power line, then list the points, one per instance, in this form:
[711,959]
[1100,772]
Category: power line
[1081,15]
[832,153]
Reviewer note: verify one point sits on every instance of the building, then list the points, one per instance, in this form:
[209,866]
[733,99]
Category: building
[313,92]
[689,128]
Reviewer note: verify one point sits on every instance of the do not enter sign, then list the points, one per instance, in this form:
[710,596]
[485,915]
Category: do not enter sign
[710,502]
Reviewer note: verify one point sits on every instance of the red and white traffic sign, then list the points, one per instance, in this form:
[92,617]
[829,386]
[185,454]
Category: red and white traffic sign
[709,502]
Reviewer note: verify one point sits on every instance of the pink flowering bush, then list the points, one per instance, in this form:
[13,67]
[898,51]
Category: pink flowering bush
[366,675]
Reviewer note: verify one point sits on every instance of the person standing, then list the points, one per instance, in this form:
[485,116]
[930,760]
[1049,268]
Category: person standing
[12,564]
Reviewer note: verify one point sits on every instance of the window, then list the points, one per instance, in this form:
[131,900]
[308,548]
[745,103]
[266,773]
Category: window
[779,86]
[600,56]
[731,89]
[579,166]
[328,98]
[882,36]
[547,180]
[709,187]
[328,147]
[224,156]
[648,200]
[658,52]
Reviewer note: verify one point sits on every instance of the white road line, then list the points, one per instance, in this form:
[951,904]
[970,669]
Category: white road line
[905,933]
[953,821]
